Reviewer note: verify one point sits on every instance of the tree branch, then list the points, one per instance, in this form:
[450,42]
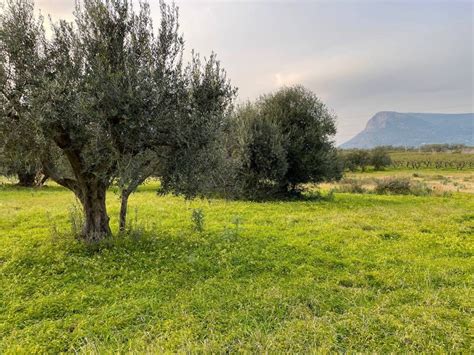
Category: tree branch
[50,170]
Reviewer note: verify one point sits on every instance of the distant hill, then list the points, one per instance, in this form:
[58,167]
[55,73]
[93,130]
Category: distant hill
[414,129]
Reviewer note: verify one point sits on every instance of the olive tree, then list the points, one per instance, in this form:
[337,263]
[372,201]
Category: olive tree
[380,158]
[357,158]
[194,163]
[115,103]
[309,128]
[287,140]
[21,48]
[258,149]
[189,161]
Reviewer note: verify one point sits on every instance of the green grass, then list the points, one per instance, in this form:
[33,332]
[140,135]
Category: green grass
[359,273]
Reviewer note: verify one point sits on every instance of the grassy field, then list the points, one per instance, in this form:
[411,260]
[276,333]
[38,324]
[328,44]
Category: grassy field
[359,272]
[448,180]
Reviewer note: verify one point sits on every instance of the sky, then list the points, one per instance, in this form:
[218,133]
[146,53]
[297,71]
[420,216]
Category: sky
[359,57]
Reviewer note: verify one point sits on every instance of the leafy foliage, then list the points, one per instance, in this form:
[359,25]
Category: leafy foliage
[21,48]
[285,140]
[115,102]
[261,157]
[356,159]
[198,219]
[380,158]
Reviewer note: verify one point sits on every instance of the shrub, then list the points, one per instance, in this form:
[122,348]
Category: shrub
[398,186]
[380,158]
[76,220]
[401,186]
[284,140]
[351,186]
[357,159]
[419,188]
[197,217]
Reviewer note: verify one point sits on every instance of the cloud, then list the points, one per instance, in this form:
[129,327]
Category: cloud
[359,56]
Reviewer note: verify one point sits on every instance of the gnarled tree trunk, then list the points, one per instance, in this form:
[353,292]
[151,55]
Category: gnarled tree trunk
[88,187]
[96,221]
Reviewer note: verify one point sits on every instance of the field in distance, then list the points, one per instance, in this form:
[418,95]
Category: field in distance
[338,272]
[446,181]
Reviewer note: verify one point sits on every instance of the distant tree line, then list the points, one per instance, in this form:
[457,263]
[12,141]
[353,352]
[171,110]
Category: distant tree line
[434,148]
[108,100]
[360,159]
[383,157]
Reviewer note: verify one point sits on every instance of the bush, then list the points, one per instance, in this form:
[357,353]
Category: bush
[380,158]
[419,188]
[351,186]
[197,218]
[398,186]
[401,186]
[356,159]
[282,141]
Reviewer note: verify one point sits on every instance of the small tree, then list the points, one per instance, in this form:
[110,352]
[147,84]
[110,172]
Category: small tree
[380,158]
[358,158]
[287,140]
[188,164]
[309,129]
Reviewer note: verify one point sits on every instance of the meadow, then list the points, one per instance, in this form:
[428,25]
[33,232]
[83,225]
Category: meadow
[332,272]
[441,182]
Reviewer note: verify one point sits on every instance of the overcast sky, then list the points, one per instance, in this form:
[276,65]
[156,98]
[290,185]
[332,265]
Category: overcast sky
[359,57]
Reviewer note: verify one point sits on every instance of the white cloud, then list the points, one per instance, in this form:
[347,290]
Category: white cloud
[359,56]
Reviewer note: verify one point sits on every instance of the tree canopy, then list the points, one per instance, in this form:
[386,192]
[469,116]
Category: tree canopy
[114,101]
[21,49]
[285,139]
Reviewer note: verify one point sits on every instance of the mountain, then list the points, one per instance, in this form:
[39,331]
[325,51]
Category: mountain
[414,129]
